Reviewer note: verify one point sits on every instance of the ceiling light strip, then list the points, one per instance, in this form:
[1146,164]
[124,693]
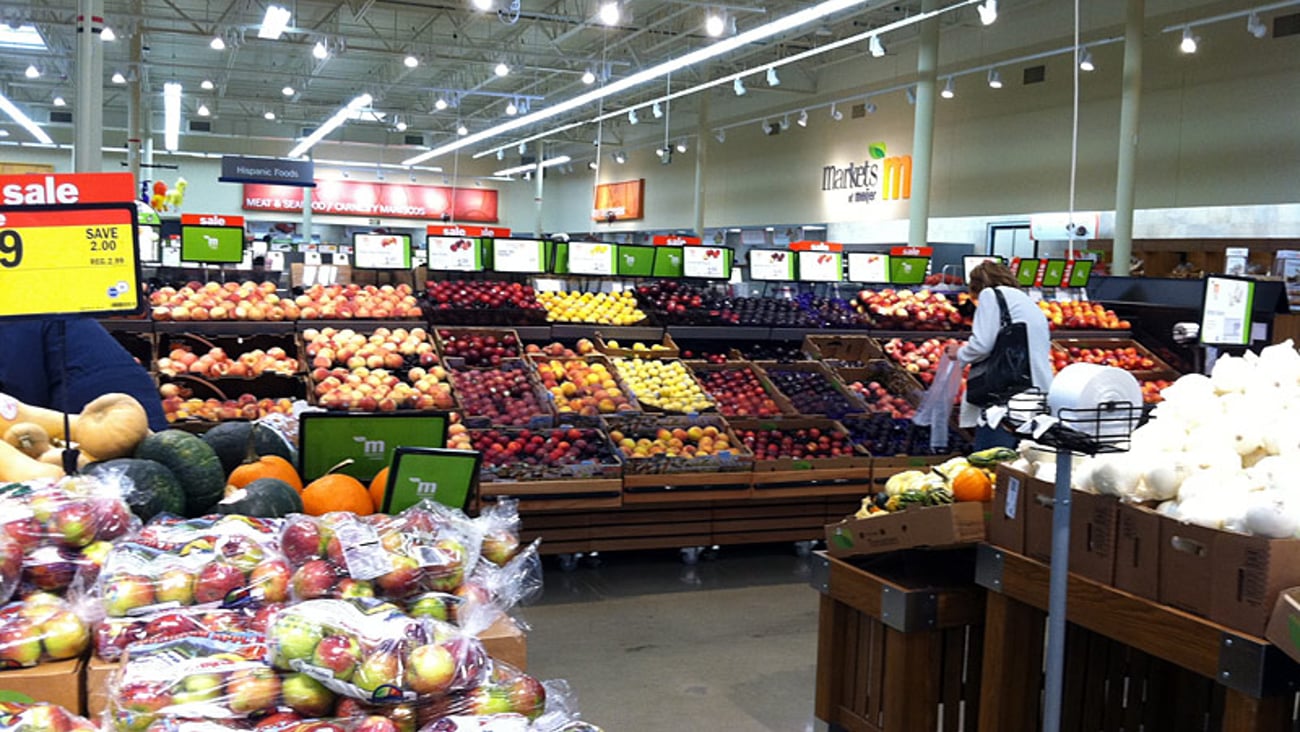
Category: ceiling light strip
[17,115]
[331,124]
[1229,16]
[761,33]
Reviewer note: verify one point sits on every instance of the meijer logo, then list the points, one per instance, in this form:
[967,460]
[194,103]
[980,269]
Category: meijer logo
[371,447]
[880,177]
[426,488]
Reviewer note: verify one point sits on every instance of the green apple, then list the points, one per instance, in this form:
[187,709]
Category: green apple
[307,696]
[64,635]
[175,585]
[294,638]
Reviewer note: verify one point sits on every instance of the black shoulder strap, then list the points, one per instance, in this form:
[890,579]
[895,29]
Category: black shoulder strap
[1002,305]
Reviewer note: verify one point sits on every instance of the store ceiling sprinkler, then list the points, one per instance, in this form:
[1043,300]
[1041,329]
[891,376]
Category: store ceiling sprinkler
[876,48]
[1085,61]
[803,118]
[739,87]
[988,11]
[995,78]
[1254,26]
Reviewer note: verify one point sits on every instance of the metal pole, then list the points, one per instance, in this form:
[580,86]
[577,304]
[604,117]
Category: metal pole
[927,62]
[540,173]
[88,117]
[1130,107]
[701,161]
[1057,589]
[134,128]
[306,215]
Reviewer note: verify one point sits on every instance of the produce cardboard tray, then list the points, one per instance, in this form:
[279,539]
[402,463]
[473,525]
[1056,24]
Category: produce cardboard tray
[930,526]
[670,350]
[234,346]
[858,460]
[57,682]
[610,466]
[782,403]
[441,343]
[844,348]
[735,460]
[856,405]
[543,419]
[577,419]
[647,407]
[1062,344]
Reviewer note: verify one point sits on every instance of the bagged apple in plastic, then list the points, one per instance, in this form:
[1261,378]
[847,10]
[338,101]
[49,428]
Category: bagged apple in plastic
[18,717]
[500,523]
[286,722]
[115,635]
[40,628]
[11,566]
[370,650]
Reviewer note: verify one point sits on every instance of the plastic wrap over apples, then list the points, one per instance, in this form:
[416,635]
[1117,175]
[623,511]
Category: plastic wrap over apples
[488,593]
[17,717]
[42,627]
[230,561]
[499,523]
[370,650]
[341,555]
[115,635]
[11,566]
[60,528]
[504,691]
[289,722]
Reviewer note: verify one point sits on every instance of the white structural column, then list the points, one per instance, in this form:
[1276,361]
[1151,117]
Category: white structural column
[927,63]
[307,196]
[701,162]
[1129,110]
[540,173]
[88,116]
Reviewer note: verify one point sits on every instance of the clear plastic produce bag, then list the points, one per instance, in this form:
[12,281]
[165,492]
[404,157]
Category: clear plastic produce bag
[18,717]
[936,406]
[115,636]
[41,628]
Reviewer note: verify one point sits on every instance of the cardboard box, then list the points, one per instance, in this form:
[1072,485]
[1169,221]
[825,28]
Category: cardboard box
[1007,517]
[1249,574]
[933,526]
[98,674]
[1093,534]
[1137,550]
[1283,628]
[57,683]
[505,641]
[1040,499]
[1187,566]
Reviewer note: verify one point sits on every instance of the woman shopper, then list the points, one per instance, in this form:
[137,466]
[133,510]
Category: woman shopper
[986,282]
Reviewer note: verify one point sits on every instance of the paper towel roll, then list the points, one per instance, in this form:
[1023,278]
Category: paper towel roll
[1086,386]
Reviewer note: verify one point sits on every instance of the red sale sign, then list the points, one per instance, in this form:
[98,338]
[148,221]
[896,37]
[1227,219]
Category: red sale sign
[367,199]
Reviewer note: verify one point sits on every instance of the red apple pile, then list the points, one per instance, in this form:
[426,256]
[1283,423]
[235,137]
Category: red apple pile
[179,405]
[553,350]
[215,301]
[481,295]
[519,454]
[1128,358]
[738,392]
[933,280]
[797,443]
[42,627]
[907,310]
[478,348]
[503,396]
[919,358]
[1078,315]
[54,530]
[216,363]
[347,302]
[880,401]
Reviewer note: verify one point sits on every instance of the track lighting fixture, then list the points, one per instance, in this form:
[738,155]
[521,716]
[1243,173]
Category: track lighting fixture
[681,145]
[739,87]
[995,79]
[620,157]
[1085,61]
[836,114]
[948,91]
[910,93]
[631,117]
[1254,26]
[869,107]
[657,111]
[785,123]
[803,118]
[876,47]
[988,11]
[1188,44]
[772,78]
[720,136]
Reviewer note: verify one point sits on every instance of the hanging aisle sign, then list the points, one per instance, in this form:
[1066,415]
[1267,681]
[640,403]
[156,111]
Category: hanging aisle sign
[68,245]
[909,265]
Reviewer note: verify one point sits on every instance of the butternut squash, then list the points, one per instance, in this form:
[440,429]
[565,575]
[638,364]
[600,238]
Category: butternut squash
[109,427]
[31,438]
[16,466]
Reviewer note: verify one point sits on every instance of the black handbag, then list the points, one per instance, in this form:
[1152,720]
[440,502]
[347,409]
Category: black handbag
[1005,372]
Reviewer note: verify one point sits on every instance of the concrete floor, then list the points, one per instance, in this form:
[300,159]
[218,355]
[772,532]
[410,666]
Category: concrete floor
[650,644]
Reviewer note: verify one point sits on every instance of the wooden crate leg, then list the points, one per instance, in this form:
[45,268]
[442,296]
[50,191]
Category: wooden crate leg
[1242,713]
[1011,681]
[830,656]
[912,665]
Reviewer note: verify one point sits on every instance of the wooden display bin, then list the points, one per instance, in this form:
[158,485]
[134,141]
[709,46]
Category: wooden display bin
[59,682]
[235,345]
[1159,369]
[847,475]
[556,495]
[670,349]
[845,348]
[782,403]
[461,332]
[856,405]
[900,640]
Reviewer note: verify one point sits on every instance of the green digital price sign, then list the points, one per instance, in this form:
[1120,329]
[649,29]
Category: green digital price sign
[419,473]
[669,262]
[212,244]
[368,440]
[908,270]
[1027,272]
[1054,273]
[1081,272]
[635,260]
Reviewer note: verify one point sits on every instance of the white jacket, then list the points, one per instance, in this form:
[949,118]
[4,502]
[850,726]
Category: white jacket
[984,333]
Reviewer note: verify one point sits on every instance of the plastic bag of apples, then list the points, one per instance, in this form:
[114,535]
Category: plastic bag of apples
[18,717]
[114,636]
[41,627]
[55,528]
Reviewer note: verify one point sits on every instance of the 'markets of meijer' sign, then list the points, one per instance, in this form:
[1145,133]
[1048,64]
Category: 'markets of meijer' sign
[880,177]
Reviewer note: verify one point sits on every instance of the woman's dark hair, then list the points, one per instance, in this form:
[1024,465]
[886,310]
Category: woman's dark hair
[991,274]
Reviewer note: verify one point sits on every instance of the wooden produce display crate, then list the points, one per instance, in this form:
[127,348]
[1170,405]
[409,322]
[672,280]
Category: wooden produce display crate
[590,418]
[440,335]
[644,399]
[735,459]
[1159,369]
[222,390]
[234,345]
[845,349]
[582,485]
[670,349]
[900,642]
[543,419]
[886,373]
[703,367]
[846,475]
[855,404]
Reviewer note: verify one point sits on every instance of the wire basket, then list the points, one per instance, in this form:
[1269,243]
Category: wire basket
[1104,428]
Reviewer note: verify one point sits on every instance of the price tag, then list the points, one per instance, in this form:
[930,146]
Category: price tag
[339,260]
[766,265]
[591,258]
[454,254]
[171,255]
[869,268]
[80,259]
[311,258]
[518,255]
[820,267]
[381,251]
[705,262]
[275,261]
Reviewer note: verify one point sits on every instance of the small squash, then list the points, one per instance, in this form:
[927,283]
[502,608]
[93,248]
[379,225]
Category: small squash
[266,466]
[29,437]
[16,466]
[108,427]
[230,441]
[972,484]
[264,497]
[336,492]
[378,487]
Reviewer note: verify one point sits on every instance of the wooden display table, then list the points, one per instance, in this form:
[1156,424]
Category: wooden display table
[1130,662]
[899,640]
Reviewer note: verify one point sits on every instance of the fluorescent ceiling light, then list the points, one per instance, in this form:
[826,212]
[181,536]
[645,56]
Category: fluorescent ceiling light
[203,110]
[588,77]
[269,116]
[714,24]
[772,78]
[948,91]
[411,62]
[988,11]
[440,105]
[483,4]
[118,78]
[462,130]
[1188,44]
[1085,61]
[107,35]
[274,23]
[24,37]
[32,72]
[995,79]
[319,51]
[876,47]
[502,69]
[739,87]
[17,115]
[803,118]
[331,124]
[217,43]
[59,102]
[549,163]
[722,47]
[207,85]
[172,116]
[610,12]
[288,91]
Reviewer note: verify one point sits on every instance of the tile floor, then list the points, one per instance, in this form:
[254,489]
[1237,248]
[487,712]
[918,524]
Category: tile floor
[650,644]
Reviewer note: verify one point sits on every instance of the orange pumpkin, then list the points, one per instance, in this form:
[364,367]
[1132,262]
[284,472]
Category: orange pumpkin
[336,492]
[972,484]
[378,487]
[266,466]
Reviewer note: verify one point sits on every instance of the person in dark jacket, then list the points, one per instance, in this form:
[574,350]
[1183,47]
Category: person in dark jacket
[32,366]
